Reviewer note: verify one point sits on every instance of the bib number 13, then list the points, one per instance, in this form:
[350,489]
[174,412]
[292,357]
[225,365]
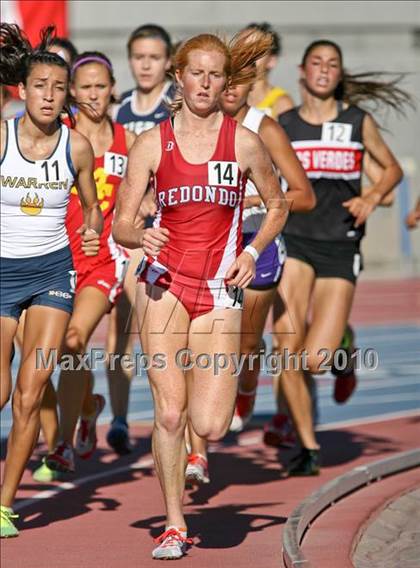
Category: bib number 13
[223,173]
[115,164]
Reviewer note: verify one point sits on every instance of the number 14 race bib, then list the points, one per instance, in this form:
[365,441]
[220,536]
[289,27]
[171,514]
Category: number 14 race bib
[223,173]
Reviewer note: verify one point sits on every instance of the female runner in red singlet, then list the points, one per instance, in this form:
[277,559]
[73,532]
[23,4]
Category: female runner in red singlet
[189,291]
[99,282]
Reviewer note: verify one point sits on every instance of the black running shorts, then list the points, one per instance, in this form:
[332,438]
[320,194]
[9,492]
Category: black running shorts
[329,259]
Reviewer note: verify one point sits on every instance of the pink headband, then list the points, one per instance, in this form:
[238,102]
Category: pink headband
[91,58]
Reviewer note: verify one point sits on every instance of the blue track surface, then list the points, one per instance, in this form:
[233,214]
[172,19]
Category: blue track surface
[393,387]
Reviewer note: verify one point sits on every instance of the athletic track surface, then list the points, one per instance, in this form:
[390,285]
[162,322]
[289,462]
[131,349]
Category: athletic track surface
[105,517]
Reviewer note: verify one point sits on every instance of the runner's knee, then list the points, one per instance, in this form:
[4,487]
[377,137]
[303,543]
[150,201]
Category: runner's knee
[172,420]
[210,428]
[25,403]
[75,340]
[318,360]
[250,344]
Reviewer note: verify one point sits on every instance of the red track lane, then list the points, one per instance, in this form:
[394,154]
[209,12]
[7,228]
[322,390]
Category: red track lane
[236,521]
[387,302]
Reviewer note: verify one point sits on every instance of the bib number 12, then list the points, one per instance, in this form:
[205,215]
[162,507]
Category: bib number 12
[336,132]
[223,173]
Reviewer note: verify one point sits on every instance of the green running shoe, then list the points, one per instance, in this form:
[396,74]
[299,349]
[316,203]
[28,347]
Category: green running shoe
[7,528]
[43,474]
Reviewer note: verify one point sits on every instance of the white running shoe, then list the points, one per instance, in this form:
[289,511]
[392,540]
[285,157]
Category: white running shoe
[197,471]
[86,439]
[172,544]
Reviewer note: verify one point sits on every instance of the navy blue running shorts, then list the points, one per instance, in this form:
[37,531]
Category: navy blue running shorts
[47,280]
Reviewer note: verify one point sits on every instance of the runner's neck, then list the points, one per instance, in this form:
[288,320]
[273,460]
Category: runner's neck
[99,134]
[241,114]
[187,121]
[259,91]
[146,100]
[317,111]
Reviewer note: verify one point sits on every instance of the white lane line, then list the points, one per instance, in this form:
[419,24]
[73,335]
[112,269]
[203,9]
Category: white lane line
[359,400]
[375,399]
[364,384]
[369,420]
[141,464]
[407,339]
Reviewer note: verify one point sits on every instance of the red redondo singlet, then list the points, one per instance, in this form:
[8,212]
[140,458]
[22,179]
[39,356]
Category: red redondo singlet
[201,206]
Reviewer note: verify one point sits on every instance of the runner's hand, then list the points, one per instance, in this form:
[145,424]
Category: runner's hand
[412,219]
[361,207]
[148,206]
[252,201]
[154,240]
[242,271]
[90,240]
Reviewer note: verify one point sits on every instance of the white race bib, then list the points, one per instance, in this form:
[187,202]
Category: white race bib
[115,164]
[223,173]
[336,132]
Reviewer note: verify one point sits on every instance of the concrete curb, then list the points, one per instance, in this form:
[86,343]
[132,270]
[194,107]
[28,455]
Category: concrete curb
[306,512]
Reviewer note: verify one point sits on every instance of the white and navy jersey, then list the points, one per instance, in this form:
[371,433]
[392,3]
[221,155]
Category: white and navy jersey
[331,155]
[127,114]
[252,217]
[34,197]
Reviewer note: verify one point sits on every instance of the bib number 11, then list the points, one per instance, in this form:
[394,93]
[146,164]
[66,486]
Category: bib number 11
[223,173]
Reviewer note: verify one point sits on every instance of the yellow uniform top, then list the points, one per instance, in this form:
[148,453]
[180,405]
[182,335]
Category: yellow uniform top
[270,100]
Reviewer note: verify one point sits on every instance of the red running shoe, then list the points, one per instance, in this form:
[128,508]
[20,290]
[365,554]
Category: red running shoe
[62,459]
[346,380]
[244,409]
[344,387]
[279,432]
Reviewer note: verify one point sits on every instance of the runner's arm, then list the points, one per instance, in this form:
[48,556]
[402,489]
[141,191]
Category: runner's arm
[84,161]
[254,160]
[413,217]
[362,207]
[300,195]
[143,160]
[374,172]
